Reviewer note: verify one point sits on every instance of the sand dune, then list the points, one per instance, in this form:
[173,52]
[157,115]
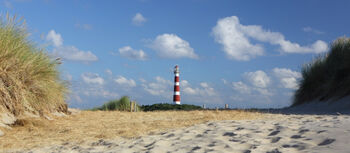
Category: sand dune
[272,134]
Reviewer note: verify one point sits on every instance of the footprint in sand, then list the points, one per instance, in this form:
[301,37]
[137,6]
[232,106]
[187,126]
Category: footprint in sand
[326,142]
[199,136]
[274,151]
[318,132]
[212,144]
[211,124]
[196,148]
[297,146]
[239,128]
[303,131]
[247,151]
[231,134]
[274,133]
[150,145]
[206,131]
[275,139]
[234,140]
[101,142]
[296,136]
[170,135]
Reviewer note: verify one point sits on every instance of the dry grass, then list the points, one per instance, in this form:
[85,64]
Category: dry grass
[29,78]
[94,125]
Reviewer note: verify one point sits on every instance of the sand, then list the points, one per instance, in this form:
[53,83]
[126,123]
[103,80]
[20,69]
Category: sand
[273,134]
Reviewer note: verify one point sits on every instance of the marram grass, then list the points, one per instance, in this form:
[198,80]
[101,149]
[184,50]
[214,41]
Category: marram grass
[327,76]
[29,78]
[122,104]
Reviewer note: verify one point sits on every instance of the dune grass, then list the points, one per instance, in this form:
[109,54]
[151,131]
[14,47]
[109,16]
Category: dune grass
[29,78]
[89,126]
[122,104]
[327,76]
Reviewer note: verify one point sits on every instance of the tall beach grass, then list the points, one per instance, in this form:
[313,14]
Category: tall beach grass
[29,78]
[122,104]
[327,76]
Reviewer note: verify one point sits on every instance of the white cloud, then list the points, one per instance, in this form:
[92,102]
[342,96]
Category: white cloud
[142,80]
[204,89]
[130,53]
[55,38]
[272,88]
[235,40]
[92,78]
[106,93]
[138,19]
[236,45]
[160,87]
[224,81]
[122,81]
[172,46]
[97,92]
[317,47]
[109,72]
[241,87]
[264,91]
[311,30]
[74,54]
[287,77]
[68,52]
[258,78]
[202,93]
[245,89]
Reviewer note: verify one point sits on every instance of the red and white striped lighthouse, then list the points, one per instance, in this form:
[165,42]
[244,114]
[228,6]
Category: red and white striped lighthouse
[177,86]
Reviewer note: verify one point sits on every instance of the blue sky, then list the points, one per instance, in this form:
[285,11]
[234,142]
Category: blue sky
[243,53]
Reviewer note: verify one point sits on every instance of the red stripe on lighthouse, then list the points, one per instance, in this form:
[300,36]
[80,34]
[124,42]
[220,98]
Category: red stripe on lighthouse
[176,88]
[177,99]
[177,79]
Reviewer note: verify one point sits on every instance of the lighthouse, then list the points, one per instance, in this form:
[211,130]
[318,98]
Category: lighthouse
[177,86]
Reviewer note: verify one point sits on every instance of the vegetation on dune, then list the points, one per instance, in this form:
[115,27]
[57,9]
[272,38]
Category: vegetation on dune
[327,76]
[165,106]
[29,78]
[122,104]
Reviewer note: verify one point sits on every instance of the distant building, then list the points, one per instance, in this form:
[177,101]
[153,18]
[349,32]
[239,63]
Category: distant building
[177,99]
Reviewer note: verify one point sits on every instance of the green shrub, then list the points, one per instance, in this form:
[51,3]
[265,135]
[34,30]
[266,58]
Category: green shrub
[166,106]
[122,104]
[327,76]
[29,78]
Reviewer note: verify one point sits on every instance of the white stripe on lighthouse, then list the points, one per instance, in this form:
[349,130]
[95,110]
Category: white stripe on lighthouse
[177,102]
[177,74]
[177,92]
[177,83]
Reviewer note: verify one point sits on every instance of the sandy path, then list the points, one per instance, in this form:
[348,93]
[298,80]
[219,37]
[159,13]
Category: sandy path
[273,134]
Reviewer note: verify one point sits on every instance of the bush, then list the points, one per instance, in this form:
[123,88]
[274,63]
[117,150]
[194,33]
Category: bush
[122,104]
[29,79]
[165,106]
[327,76]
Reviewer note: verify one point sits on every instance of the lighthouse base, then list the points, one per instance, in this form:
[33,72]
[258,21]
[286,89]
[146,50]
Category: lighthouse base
[177,102]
